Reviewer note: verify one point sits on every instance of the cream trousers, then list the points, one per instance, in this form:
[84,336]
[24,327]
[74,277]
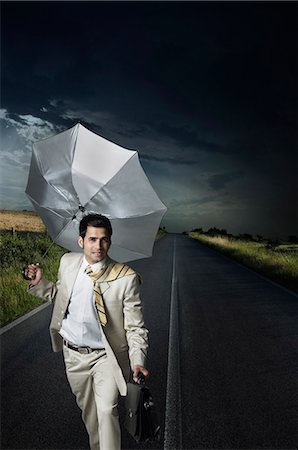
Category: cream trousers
[96,392]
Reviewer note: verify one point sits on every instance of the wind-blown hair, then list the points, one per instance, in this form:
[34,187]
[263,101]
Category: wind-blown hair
[95,220]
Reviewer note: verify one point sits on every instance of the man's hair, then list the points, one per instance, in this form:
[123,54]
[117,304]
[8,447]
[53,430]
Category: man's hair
[95,220]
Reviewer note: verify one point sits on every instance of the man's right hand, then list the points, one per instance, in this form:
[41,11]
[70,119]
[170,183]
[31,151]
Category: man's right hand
[34,273]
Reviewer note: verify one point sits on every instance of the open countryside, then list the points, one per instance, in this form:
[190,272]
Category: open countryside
[23,238]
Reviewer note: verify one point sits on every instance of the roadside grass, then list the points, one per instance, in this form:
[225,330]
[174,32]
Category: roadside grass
[15,300]
[279,263]
[161,232]
[16,251]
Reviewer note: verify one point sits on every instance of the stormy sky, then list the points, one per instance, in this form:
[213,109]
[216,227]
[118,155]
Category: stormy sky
[205,91]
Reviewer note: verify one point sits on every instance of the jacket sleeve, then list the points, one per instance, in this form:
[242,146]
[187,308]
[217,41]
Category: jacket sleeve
[136,332]
[47,290]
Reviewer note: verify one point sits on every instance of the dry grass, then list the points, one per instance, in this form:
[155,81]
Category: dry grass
[279,264]
[20,221]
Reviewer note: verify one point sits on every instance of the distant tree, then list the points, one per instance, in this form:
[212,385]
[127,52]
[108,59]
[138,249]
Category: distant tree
[293,239]
[212,231]
[197,230]
[162,229]
[216,232]
[245,237]
[260,238]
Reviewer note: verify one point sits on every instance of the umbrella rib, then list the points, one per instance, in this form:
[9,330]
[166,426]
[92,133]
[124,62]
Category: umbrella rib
[54,239]
[127,248]
[140,215]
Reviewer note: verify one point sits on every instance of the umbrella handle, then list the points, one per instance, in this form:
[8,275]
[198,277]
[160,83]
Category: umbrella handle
[24,270]
[45,253]
[81,208]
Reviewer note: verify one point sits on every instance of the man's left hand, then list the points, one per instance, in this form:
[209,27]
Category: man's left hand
[137,370]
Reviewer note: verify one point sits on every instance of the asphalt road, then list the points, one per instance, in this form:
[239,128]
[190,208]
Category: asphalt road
[233,358]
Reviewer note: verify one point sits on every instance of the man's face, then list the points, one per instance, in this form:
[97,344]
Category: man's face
[95,244]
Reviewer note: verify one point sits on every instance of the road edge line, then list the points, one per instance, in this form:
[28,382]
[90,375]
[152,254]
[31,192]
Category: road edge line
[25,317]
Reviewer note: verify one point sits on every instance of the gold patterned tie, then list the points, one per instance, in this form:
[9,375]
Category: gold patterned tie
[99,303]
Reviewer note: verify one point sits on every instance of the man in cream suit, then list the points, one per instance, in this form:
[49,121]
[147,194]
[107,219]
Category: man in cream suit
[98,323]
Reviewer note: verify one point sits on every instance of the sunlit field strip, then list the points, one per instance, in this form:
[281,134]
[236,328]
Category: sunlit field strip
[20,221]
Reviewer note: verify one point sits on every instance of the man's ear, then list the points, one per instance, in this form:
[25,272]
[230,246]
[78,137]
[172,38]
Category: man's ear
[81,242]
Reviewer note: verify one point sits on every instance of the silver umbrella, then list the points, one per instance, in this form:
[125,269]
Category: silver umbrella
[77,172]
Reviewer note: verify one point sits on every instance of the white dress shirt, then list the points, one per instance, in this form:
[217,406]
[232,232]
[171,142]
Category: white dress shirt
[81,325]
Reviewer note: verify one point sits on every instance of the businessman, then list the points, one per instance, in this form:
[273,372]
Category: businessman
[98,322]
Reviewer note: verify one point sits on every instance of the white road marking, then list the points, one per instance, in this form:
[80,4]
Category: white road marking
[25,317]
[173,423]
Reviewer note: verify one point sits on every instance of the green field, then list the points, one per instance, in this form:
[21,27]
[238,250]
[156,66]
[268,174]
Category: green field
[16,251]
[279,262]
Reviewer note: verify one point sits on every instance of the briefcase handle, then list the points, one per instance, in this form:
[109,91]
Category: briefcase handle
[141,378]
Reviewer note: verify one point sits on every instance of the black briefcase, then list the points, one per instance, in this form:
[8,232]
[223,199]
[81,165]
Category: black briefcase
[140,414]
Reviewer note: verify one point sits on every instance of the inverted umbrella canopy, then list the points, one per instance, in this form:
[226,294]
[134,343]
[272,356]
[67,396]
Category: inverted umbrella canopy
[77,172]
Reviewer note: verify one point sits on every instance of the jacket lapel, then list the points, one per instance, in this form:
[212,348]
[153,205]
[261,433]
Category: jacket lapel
[71,273]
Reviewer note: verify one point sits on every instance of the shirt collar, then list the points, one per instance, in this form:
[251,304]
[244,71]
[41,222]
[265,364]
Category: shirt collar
[95,266]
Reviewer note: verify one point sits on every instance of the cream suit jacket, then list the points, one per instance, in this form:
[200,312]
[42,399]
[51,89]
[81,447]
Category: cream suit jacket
[125,335]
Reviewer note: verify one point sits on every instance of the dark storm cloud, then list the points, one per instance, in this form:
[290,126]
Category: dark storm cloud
[194,202]
[206,91]
[189,138]
[219,181]
[179,161]
[195,69]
